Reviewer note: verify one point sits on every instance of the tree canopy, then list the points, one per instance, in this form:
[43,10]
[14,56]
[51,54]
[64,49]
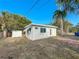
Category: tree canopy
[11,21]
[69,5]
[66,6]
[59,14]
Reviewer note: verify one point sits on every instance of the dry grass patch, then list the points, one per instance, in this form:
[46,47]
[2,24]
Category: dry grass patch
[41,49]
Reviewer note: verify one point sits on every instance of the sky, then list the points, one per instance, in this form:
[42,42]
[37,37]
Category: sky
[39,12]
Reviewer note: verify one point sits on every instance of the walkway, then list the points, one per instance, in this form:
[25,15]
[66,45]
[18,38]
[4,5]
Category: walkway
[70,41]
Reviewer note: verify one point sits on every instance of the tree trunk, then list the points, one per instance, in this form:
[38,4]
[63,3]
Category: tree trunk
[68,29]
[61,25]
[61,19]
[4,31]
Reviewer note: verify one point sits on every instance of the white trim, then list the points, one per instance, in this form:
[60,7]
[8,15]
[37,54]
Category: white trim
[41,25]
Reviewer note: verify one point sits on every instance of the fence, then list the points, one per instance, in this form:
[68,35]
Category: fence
[1,35]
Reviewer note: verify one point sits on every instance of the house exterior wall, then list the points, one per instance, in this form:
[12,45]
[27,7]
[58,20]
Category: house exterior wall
[36,34]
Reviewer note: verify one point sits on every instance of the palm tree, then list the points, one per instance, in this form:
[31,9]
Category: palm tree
[69,5]
[60,15]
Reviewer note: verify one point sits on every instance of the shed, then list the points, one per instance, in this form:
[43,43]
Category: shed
[17,33]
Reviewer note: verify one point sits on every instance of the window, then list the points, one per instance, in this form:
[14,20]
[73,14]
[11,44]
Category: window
[42,30]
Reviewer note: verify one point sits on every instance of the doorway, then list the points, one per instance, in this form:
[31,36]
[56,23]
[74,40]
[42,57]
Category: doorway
[9,33]
[50,32]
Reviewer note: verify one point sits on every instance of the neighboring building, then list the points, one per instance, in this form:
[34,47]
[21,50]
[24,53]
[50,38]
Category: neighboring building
[13,33]
[38,31]
[17,33]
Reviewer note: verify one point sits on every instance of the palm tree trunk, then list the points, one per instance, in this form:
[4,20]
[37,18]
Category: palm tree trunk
[61,25]
[61,19]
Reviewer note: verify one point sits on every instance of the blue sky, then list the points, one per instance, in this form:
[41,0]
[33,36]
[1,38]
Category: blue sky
[41,13]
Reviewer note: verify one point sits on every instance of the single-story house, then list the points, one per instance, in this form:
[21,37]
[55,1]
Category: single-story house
[39,31]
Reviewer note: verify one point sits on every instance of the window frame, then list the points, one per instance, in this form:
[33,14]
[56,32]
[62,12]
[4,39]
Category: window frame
[42,30]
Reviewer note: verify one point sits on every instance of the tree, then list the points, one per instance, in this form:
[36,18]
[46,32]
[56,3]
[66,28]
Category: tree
[60,15]
[57,23]
[67,26]
[73,29]
[13,21]
[8,21]
[22,22]
[77,26]
[69,5]
[1,23]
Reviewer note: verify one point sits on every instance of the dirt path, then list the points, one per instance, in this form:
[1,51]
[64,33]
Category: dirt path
[70,41]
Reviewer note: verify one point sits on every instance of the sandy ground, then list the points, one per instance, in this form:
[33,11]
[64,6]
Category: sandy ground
[66,47]
[69,39]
